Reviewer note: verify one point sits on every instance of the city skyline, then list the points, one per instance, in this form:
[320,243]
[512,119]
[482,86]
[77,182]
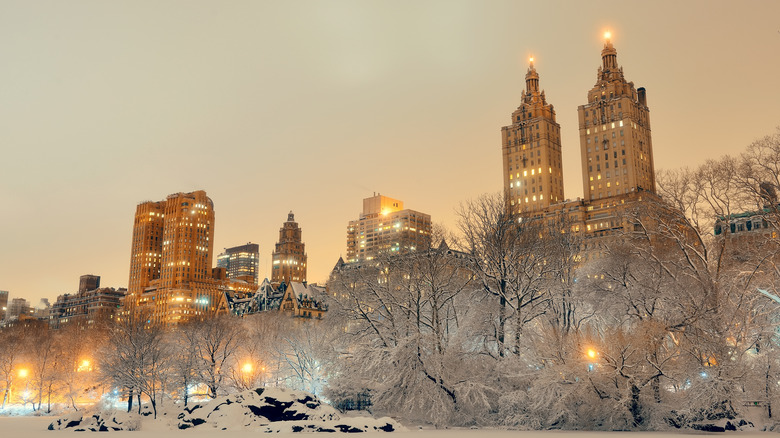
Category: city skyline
[272,108]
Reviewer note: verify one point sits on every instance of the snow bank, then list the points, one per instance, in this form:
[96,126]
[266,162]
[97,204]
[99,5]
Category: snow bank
[261,409]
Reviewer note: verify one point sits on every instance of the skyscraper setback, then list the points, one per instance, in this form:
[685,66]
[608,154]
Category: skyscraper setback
[171,260]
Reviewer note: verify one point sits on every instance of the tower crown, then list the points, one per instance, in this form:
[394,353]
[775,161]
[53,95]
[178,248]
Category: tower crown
[532,79]
[290,217]
[608,54]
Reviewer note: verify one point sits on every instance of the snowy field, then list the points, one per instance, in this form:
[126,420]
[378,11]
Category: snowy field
[36,427]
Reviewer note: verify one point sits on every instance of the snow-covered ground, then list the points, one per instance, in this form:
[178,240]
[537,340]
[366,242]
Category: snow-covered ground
[36,427]
[261,411]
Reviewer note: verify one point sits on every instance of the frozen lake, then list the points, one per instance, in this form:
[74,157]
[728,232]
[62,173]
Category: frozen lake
[35,427]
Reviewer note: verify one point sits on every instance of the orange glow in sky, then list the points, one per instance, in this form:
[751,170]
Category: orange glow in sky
[312,106]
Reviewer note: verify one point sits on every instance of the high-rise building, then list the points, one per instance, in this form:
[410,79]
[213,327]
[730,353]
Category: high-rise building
[533,169]
[615,143]
[171,260]
[89,282]
[241,262]
[3,303]
[385,227]
[289,256]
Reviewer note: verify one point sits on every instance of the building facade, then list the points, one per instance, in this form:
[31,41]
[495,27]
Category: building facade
[295,299]
[241,262]
[18,308]
[289,256]
[615,141]
[532,155]
[3,303]
[385,227]
[89,282]
[89,307]
[171,275]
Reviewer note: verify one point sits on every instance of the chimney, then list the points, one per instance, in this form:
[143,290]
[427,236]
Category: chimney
[642,94]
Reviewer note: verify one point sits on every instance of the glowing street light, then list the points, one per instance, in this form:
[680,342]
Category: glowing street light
[607,35]
[85,365]
[247,368]
[591,353]
[23,373]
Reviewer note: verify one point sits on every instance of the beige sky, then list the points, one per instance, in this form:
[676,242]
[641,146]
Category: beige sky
[311,106]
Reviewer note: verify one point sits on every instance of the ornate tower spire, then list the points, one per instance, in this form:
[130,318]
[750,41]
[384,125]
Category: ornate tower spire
[533,177]
[608,54]
[532,79]
[615,141]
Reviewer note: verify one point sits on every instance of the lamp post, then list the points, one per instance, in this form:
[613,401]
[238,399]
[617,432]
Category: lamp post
[591,354]
[24,373]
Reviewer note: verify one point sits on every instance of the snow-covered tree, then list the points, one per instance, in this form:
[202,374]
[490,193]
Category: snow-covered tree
[137,358]
[508,254]
[408,345]
[12,342]
[216,341]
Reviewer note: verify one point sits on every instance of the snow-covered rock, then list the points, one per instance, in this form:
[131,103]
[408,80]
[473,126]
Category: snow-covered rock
[97,422]
[261,409]
[257,407]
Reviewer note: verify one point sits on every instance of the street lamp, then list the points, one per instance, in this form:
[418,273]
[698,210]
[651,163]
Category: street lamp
[85,365]
[591,354]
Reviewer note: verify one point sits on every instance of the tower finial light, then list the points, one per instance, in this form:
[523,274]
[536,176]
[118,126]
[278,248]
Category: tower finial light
[607,35]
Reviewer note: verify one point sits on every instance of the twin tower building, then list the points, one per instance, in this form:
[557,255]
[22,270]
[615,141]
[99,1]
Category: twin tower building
[615,148]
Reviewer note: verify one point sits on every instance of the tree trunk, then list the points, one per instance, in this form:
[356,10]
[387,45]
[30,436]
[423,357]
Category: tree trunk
[501,322]
[634,406]
[130,400]
[768,390]
[154,405]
